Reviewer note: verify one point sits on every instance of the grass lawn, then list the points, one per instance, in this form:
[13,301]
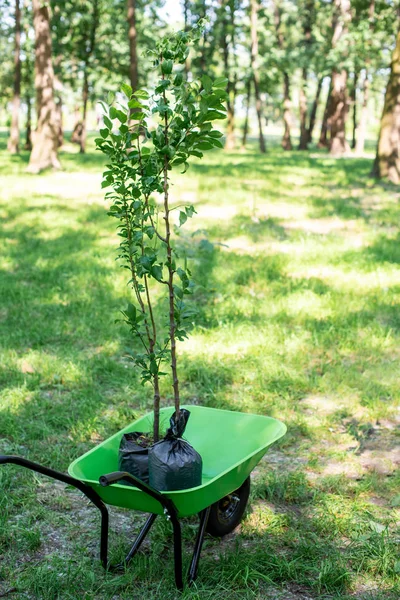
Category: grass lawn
[297,260]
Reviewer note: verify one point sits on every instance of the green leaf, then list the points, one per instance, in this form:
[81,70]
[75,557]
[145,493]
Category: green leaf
[141,94]
[133,103]
[190,211]
[220,82]
[178,79]
[212,115]
[104,133]
[207,83]
[113,112]
[182,218]
[107,122]
[166,67]
[156,272]
[126,89]
[121,116]
[204,145]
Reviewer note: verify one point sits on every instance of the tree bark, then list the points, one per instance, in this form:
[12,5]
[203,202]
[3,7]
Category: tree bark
[313,113]
[362,125]
[132,36]
[308,19]
[13,140]
[45,139]
[353,100]
[338,106]
[231,85]
[85,88]
[324,135]
[85,96]
[387,161]
[304,137]
[246,120]
[287,104]
[287,117]
[28,134]
[254,8]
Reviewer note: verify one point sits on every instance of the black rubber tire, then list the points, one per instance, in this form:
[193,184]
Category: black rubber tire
[226,514]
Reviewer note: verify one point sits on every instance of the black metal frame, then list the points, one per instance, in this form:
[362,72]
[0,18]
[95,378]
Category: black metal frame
[168,506]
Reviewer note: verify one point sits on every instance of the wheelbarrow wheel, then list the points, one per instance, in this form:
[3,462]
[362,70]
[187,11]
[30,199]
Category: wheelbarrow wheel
[226,514]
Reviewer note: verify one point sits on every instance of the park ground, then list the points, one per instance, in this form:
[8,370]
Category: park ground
[297,260]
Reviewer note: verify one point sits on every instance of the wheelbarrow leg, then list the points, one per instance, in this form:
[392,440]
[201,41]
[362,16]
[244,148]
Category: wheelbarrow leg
[177,550]
[192,574]
[136,544]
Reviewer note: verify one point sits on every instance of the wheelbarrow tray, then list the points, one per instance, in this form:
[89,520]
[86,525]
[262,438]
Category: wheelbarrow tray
[230,444]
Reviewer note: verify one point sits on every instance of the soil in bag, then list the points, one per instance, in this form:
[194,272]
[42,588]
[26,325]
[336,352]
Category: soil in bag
[173,463]
[134,457]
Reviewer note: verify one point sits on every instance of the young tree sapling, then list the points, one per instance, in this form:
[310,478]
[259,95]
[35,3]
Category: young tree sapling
[145,137]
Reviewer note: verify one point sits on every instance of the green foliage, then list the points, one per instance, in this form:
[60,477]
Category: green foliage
[145,136]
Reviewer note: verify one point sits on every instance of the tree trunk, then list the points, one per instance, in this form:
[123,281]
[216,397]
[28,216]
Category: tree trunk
[13,141]
[132,36]
[85,87]
[60,121]
[231,85]
[313,113]
[353,100]
[28,135]
[362,125]
[324,135]
[246,120]
[304,137]
[85,96]
[338,107]
[45,139]
[254,8]
[337,114]
[287,118]
[387,161]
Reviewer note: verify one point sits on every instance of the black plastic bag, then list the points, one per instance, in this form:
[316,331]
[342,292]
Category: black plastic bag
[132,457]
[173,463]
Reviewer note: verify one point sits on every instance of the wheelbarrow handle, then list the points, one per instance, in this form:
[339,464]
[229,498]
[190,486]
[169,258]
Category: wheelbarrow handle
[116,476]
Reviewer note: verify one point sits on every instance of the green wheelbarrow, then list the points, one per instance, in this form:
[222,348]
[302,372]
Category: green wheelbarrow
[230,444]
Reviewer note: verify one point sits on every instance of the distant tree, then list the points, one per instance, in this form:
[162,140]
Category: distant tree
[308,18]
[337,107]
[45,138]
[254,8]
[387,161]
[287,102]
[13,140]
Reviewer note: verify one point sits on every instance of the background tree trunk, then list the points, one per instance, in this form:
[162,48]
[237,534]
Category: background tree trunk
[304,137]
[287,117]
[353,100]
[254,67]
[28,134]
[362,125]
[324,135]
[85,87]
[314,108]
[132,36]
[13,140]
[387,161]
[246,120]
[45,139]
[338,103]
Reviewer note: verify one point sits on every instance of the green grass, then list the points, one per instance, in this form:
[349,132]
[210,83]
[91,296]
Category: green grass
[297,261]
